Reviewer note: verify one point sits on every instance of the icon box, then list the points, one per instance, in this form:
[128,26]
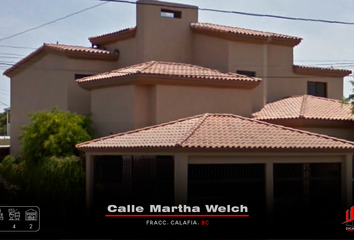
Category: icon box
[19,219]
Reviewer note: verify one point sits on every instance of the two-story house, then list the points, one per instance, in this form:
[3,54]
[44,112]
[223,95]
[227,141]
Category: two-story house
[197,112]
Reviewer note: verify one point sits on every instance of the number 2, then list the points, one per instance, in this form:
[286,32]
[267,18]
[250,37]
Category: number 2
[30,226]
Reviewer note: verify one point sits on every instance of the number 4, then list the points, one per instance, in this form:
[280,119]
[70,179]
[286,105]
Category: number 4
[14,226]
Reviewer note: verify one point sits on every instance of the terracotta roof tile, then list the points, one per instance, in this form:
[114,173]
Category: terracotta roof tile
[240,31]
[109,37]
[170,69]
[70,48]
[217,131]
[307,69]
[63,49]
[306,107]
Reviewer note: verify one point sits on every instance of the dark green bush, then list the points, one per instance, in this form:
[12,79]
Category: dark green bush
[49,172]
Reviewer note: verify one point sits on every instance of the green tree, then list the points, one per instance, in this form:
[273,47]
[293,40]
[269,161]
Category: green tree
[350,98]
[53,133]
[48,171]
[3,123]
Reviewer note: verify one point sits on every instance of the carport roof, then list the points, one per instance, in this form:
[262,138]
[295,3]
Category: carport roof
[217,131]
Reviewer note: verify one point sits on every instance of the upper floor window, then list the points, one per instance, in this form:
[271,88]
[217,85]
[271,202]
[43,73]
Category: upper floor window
[78,76]
[318,89]
[171,13]
[247,73]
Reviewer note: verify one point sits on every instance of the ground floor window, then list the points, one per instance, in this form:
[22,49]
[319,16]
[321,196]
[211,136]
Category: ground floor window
[308,191]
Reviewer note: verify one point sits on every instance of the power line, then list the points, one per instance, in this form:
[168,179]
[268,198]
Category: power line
[56,20]
[15,54]
[238,12]
[19,47]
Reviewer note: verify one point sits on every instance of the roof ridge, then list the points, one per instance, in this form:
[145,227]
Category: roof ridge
[148,64]
[192,130]
[303,106]
[139,130]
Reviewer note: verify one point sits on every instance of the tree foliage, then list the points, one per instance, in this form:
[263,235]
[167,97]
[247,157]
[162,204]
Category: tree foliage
[48,171]
[3,123]
[350,98]
[54,133]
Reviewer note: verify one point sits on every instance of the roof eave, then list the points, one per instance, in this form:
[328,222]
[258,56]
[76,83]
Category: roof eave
[43,50]
[93,56]
[110,38]
[237,37]
[235,150]
[321,72]
[152,79]
[12,70]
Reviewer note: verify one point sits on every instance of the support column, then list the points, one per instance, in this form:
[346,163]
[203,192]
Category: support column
[181,178]
[269,190]
[89,180]
[347,181]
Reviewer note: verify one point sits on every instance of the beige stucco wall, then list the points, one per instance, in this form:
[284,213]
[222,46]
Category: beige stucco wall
[123,108]
[79,99]
[175,102]
[161,38]
[144,106]
[47,83]
[296,84]
[112,110]
[37,88]
[127,52]
[272,63]
[250,57]
[211,52]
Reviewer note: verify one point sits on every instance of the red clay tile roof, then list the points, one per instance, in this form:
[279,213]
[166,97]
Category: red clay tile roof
[215,28]
[170,69]
[66,49]
[208,27]
[316,70]
[217,131]
[306,107]
[113,36]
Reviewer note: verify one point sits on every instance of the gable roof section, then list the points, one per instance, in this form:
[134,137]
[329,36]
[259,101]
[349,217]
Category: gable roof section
[242,34]
[217,131]
[321,71]
[181,71]
[306,107]
[68,50]
[114,36]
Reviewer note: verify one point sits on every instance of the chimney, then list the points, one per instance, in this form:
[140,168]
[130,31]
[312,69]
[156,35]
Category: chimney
[163,31]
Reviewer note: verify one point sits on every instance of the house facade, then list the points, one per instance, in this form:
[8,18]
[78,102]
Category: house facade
[173,99]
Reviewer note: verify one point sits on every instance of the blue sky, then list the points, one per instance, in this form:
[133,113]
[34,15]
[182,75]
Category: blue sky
[323,44]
